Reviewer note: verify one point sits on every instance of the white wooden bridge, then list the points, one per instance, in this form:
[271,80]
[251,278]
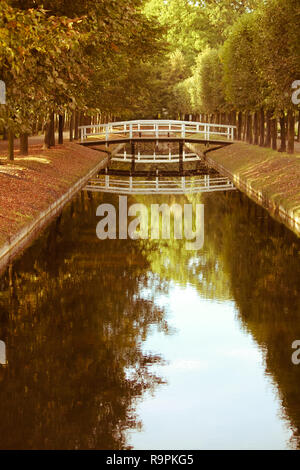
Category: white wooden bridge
[156,130]
[159,185]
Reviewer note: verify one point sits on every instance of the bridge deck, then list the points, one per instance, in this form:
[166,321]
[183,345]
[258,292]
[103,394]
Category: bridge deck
[157,130]
[203,171]
[123,140]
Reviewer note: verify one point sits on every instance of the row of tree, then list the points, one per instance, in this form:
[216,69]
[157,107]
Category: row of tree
[74,59]
[245,60]
[225,61]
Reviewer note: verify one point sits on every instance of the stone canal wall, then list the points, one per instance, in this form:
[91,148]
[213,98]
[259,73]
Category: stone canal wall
[34,189]
[270,178]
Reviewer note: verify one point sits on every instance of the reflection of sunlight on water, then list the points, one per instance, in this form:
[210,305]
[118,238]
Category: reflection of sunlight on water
[190,364]
[216,385]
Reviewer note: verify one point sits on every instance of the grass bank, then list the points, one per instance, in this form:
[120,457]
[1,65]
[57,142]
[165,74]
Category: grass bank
[35,187]
[267,176]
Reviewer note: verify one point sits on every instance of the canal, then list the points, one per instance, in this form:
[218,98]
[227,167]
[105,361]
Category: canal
[143,344]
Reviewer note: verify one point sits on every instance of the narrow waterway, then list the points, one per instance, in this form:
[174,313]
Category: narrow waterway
[116,344]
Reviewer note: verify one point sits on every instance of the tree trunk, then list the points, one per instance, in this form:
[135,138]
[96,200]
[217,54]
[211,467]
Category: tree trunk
[245,122]
[282,133]
[262,127]
[47,135]
[256,130]
[291,131]
[81,118]
[61,119]
[34,127]
[240,124]
[274,133]
[24,144]
[39,125]
[232,122]
[52,130]
[71,127]
[268,130]
[76,131]
[250,131]
[11,143]
[249,128]
[233,119]
[66,121]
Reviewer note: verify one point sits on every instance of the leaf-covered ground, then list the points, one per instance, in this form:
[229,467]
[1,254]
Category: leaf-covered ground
[276,175]
[29,184]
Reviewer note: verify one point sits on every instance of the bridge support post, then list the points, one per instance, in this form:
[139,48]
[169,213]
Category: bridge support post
[132,157]
[156,151]
[106,181]
[181,157]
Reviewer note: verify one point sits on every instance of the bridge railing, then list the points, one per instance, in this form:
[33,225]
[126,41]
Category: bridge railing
[154,158]
[156,128]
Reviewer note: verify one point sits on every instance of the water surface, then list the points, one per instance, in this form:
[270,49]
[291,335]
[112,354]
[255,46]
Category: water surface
[137,343]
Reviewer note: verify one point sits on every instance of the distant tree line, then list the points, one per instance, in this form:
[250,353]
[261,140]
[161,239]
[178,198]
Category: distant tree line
[246,56]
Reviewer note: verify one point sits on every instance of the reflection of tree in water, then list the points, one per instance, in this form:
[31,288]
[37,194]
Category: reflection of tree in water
[74,321]
[73,328]
[251,258]
[173,262]
[261,259]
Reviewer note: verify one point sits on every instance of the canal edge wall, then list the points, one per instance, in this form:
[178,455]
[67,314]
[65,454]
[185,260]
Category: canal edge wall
[277,211]
[17,243]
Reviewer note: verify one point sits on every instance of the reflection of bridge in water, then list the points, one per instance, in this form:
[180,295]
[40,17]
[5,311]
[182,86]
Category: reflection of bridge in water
[179,185]
[154,158]
[165,136]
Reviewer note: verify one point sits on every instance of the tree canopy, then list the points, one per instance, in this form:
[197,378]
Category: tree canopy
[147,58]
